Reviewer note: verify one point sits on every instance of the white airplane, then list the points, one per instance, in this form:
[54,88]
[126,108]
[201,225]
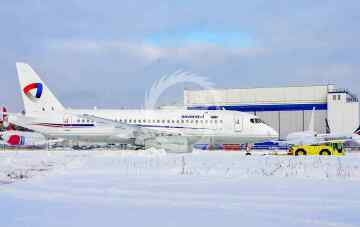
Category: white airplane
[311,137]
[164,128]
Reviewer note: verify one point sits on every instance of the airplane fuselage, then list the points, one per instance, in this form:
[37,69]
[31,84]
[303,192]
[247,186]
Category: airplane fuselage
[197,125]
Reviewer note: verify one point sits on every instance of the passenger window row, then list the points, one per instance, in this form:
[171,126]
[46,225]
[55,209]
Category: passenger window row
[153,121]
[84,121]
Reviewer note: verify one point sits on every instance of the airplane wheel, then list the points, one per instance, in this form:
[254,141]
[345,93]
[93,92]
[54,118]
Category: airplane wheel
[300,152]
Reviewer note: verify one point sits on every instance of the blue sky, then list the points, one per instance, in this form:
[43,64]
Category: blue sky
[199,36]
[108,53]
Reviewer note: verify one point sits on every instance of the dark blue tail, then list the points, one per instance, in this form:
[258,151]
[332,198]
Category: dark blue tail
[357,131]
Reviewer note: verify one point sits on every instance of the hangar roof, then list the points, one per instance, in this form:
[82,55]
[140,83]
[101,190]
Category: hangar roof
[259,96]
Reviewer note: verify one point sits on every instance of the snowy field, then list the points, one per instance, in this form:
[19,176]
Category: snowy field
[119,188]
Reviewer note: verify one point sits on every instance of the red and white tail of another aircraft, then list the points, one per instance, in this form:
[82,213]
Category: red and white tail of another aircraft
[20,139]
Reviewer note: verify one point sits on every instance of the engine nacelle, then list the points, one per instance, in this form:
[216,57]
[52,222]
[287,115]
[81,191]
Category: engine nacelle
[171,144]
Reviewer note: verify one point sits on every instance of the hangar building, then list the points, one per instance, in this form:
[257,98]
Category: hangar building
[286,109]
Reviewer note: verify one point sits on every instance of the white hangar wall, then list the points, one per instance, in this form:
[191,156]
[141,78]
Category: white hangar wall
[287,109]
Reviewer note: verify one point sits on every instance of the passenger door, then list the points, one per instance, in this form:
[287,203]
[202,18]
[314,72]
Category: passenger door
[67,119]
[238,123]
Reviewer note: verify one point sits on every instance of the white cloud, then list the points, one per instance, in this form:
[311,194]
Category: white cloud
[329,72]
[94,47]
[148,51]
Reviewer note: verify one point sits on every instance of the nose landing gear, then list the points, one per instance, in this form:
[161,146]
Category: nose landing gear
[248,149]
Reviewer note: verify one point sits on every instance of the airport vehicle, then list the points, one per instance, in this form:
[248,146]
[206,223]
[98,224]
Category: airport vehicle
[332,148]
[171,129]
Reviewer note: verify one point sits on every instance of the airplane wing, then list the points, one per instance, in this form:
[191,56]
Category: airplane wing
[50,142]
[106,121]
[22,121]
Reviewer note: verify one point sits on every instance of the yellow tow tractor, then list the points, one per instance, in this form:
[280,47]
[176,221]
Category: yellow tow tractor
[330,148]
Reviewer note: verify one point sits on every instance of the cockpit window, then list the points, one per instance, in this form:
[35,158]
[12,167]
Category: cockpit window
[257,121]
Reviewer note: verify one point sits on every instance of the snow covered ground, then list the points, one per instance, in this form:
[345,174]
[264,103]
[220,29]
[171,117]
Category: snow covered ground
[123,188]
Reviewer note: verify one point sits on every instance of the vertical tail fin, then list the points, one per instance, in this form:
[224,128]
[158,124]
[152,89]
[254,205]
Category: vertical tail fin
[312,120]
[357,131]
[36,95]
[328,129]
